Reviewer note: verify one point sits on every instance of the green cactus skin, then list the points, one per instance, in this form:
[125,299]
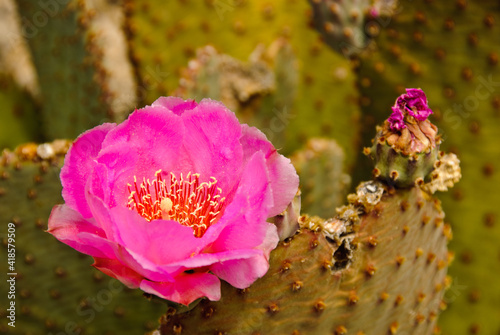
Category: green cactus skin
[163,38]
[323,182]
[450,50]
[19,115]
[346,26]
[57,291]
[387,274]
[398,169]
[73,72]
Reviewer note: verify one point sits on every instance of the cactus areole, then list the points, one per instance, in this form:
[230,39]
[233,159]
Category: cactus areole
[174,199]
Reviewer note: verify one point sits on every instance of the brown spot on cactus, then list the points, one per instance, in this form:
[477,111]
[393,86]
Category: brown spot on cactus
[286,266]
[474,127]
[372,241]
[60,272]
[425,220]
[449,24]
[319,306]
[440,54]
[273,308]
[97,276]
[297,285]
[29,259]
[55,294]
[208,311]
[461,4]
[399,299]
[404,205]
[467,74]
[472,40]
[489,21]
[353,298]
[419,252]
[400,260]
[489,220]
[119,312]
[370,270]
[177,329]
[326,265]
[474,296]
[466,257]
[488,169]
[420,297]
[40,223]
[420,17]
[31,194]
[393,328]
[431,257]
[492,58]
[419,318]
[340,330]
[474,329]
[25,293]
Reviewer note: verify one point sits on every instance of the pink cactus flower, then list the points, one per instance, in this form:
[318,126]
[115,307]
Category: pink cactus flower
[174,199]
[413,103]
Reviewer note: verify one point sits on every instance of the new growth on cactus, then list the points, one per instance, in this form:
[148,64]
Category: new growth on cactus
[406,146]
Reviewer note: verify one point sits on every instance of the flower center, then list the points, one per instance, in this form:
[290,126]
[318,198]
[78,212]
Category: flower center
[185,200]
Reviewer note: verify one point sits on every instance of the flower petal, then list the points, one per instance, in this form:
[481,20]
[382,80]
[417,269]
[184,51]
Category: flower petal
[160,241]
[253,198]
[115,269]
[149,140]
[78,165]
[241,273]
[212,144]
[282,174]
[186,289]
[69,227]
[175,104]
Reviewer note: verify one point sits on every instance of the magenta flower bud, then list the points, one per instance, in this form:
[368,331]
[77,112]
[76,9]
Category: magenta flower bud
[412,103]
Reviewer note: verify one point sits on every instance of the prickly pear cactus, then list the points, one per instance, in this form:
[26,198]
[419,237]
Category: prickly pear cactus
[347,26]
[449,49]
[164,38]
[323,181]
[19,115]
[80,57]
[56,290]
[379,267]
[261,91]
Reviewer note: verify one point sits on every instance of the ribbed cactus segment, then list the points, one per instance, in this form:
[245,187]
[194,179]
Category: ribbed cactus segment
[57,291]
[19,115]
[163,38]
[449,49]
[323,181]
[379,267]
[80,85]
